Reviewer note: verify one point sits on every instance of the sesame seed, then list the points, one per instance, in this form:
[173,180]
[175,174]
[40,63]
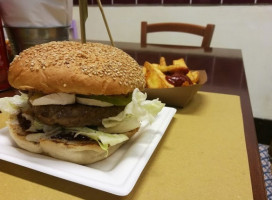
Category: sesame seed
[90,59]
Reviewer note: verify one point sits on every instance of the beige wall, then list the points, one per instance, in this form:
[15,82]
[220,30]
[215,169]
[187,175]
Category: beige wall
[241,27]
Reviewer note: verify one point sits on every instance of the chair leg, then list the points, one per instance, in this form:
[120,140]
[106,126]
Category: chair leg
[143,33]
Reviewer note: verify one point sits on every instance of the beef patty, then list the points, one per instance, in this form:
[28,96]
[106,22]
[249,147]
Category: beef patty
[74,114]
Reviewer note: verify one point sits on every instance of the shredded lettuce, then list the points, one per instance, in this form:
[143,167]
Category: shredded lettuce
[35,126]
[12,105]
[35,137]
[40,130]
[103,139]
[139,109]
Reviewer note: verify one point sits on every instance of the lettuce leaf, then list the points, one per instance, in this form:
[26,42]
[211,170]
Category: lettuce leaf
[103,139]
[138,110]
[12,105]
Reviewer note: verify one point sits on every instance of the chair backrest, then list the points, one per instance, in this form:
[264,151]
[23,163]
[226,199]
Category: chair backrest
[206,32]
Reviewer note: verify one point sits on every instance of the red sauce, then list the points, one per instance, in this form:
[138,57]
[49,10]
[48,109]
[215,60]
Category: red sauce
[177,78]
[4,63]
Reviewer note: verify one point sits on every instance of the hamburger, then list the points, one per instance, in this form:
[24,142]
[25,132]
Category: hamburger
[78,103]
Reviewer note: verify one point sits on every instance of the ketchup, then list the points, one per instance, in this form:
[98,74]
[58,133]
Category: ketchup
[178,77]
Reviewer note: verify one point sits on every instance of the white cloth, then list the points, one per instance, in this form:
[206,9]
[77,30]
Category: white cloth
[36,13]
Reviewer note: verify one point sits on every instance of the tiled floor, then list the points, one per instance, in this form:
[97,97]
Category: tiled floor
[264,135]
[265,159]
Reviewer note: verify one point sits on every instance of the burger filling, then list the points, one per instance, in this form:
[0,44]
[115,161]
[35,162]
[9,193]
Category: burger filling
[79,118]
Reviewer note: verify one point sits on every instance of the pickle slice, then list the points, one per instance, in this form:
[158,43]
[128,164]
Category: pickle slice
[117,100]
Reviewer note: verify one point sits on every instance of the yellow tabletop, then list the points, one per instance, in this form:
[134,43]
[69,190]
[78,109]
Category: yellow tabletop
[202,156]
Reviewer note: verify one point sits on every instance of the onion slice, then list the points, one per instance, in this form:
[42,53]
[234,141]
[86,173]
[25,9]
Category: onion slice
[93,102]
[54,99]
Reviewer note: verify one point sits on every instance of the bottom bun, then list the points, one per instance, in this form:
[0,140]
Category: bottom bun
[73,152]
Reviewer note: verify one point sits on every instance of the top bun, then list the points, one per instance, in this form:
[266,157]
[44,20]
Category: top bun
[73,67]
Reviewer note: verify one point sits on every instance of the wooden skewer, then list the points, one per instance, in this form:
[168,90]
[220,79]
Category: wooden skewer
[83,10]
[105,21]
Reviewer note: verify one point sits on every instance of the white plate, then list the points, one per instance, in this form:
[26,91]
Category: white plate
[116,174]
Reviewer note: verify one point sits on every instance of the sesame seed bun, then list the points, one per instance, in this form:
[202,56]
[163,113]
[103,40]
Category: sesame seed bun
[76,152]
[73,67]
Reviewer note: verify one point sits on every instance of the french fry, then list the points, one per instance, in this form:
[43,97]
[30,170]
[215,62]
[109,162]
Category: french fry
[154,77]
[162,61]
[177,65]
[172,68]
[186,83]
[155,74]
[180,62]
[144,70]
[194,76]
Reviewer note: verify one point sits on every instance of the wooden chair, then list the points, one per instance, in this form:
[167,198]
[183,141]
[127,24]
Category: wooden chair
[206,32]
